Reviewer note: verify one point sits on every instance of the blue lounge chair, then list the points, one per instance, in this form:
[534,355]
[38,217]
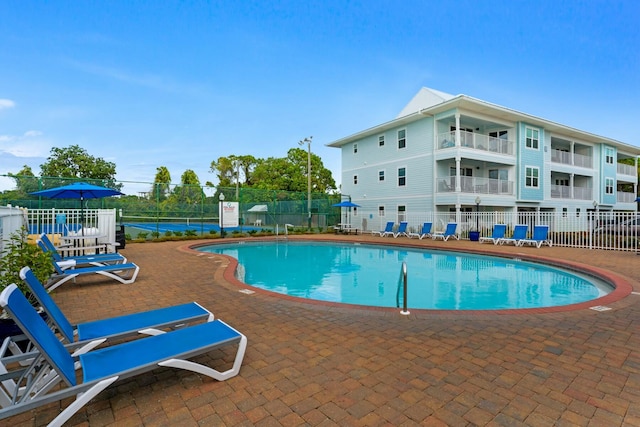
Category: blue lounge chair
[450,231]
[540,237]
[402,229]
[519,233]
[66,270]
[98,259]
[424,232]
[91,334]
[388,230]
[498,233]
[52,377]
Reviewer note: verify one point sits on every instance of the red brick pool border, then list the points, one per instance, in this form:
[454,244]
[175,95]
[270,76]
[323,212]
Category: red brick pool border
[622,287]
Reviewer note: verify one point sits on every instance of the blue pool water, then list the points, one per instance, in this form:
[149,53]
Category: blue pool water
[369,275]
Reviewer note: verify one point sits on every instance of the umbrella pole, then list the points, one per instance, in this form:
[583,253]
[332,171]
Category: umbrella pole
[81,214]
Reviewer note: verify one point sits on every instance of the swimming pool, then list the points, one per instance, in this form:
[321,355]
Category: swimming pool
[369,275]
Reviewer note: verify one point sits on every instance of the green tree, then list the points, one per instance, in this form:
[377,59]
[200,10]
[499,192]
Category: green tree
[75,162]
[161,183]
[290,173]
[189,191]
[234,170]
[26,181]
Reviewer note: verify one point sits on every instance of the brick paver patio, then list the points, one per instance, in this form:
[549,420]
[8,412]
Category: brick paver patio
[321,365]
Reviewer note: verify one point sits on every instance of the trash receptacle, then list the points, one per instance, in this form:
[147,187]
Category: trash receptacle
[120,238]
[474,236]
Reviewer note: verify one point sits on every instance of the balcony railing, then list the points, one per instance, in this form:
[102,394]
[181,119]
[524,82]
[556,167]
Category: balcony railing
[470,184]
[476,141]
[625,169]
[625,197]
[564,157]
[567,192]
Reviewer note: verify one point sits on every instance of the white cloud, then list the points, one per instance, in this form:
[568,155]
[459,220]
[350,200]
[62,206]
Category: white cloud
[30,144]
[6,103]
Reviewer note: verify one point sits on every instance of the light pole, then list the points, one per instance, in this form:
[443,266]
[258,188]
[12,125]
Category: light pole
[221,198]
[477,213]
[301,143]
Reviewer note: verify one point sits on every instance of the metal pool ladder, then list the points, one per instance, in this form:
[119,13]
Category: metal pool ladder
[402,284]
[286,231]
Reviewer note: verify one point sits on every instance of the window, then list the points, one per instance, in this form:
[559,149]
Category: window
[532,138]
[608,186]
[402,213]
[564,212]
[498,181]
[609,155]
[531,177]
[355,179]
[402,177]
[380,210]
[380,176]
[578,212]
[355,148]
[402,138]
[503,134]
[381,141]
[498,141]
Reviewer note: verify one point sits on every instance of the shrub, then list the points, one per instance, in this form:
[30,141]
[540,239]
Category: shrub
[18,254]
[168,233]
[190,233]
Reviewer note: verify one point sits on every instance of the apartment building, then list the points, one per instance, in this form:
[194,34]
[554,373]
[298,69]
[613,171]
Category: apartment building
[456,154]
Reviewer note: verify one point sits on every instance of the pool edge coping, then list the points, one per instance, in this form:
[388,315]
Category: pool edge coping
[622,287]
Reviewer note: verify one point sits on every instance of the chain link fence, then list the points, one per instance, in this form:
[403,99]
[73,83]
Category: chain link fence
[166,206]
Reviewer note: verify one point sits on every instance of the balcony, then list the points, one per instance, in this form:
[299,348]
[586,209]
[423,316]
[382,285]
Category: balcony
[624,169]
[470,184]
[476,141]
[575,159]
[568,192]
[625,197]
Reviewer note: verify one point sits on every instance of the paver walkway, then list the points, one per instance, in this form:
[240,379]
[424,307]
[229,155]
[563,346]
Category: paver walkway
[318,365]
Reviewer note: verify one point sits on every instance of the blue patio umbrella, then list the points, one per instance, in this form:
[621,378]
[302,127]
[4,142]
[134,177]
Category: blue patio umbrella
[78,190]
[346,204]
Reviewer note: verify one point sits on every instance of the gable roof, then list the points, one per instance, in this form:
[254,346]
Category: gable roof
[425,98]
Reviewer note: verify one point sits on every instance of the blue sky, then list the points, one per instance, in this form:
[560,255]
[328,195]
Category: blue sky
[156,83]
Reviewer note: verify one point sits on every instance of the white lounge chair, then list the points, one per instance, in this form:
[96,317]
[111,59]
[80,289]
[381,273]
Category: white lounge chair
[388,230]
[97,259]
[402,229]
[424,232]
[66,270]
[91,334]
[52,377]
[540,237]
[450,231]
[519,233]
[498,233]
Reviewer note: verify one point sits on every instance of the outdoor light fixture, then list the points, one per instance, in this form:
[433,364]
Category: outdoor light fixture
[221,198]
[301,143]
